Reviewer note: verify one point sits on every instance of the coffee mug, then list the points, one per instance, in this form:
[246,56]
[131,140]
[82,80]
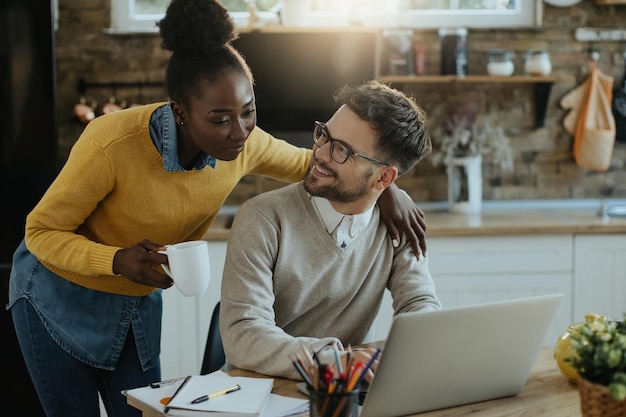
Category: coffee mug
[189,266]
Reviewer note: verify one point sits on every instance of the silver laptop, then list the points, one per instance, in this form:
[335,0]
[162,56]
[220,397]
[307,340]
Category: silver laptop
[459,356]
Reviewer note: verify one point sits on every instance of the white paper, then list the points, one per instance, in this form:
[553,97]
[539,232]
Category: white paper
[281,406]
[275,406]
[248,401]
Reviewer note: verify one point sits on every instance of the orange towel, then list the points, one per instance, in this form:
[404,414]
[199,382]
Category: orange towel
[594,127]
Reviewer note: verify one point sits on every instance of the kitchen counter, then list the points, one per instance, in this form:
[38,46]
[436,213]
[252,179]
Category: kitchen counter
[499,218]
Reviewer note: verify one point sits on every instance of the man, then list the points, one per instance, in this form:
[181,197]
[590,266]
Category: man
[307,265]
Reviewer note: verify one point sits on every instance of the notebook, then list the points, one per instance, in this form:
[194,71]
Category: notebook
[459,356]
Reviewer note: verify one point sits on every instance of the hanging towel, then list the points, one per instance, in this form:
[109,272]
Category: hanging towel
[591,121]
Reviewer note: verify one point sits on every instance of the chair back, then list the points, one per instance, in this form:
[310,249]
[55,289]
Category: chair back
[214,357]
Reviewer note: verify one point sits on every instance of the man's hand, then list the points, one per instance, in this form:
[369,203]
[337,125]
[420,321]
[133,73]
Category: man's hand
[398,211]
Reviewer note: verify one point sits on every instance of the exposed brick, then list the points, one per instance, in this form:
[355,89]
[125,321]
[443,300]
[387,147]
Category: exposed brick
[544,166]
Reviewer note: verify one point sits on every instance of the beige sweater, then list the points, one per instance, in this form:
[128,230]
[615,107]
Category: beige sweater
[286,283]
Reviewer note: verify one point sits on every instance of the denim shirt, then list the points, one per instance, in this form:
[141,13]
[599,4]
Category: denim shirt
[92,325]
[163,133]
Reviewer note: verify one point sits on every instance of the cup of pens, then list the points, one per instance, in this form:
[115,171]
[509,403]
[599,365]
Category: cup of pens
[336,404]
[333,388]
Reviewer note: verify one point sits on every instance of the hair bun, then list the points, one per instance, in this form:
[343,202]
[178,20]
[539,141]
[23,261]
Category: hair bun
[196,27]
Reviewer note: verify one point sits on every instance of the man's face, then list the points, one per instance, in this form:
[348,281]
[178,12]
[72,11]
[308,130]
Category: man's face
[353,179]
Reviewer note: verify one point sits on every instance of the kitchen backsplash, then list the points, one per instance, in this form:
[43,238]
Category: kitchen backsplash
[543,164]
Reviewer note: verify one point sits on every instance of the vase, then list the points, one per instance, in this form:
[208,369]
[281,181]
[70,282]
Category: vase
[596,401]
[295,12]
[465,184]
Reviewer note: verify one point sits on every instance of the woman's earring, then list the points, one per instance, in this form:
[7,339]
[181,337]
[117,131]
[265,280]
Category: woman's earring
[181,122]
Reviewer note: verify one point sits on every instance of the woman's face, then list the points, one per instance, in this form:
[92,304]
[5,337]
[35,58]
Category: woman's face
[218,120]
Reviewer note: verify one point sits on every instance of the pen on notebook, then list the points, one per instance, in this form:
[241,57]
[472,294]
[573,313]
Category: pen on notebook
[167,409]
[219,393]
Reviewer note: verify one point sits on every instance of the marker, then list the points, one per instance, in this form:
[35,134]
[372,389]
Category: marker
[217,394]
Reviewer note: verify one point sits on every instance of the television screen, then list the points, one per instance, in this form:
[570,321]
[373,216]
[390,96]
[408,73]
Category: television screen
[297,73]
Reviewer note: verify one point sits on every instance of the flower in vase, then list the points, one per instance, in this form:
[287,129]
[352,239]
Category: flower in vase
[465,136]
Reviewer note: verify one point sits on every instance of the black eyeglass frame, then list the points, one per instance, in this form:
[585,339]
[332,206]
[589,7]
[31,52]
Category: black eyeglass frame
[332,141]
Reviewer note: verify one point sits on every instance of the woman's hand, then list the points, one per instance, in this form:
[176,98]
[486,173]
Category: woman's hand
[137,264]
[397,210]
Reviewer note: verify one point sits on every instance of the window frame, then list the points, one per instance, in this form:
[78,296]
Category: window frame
[123,19]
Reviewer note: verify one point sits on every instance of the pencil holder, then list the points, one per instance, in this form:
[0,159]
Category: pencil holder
[341,404]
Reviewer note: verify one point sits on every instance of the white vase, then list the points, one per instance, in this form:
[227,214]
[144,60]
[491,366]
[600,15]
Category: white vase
[295,12]
[465,184]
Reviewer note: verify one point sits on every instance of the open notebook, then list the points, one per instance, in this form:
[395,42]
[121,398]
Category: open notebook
[254,398]
[459,356]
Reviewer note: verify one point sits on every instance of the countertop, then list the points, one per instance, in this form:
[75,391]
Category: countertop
[500,218]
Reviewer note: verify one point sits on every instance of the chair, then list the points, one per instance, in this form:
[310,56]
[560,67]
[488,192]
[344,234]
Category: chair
[214,357]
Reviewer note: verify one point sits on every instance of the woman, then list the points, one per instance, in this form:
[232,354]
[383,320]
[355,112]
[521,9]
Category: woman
[84,295]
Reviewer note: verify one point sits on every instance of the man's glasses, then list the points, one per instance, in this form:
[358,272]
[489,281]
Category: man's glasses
[338,150]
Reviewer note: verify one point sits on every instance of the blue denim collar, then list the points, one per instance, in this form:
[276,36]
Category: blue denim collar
[164,136]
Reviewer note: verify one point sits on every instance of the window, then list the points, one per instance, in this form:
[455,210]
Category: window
[142,15]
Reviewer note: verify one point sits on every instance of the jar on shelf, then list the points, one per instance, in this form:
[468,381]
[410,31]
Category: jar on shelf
[453,51]
[500,62]
[537,63]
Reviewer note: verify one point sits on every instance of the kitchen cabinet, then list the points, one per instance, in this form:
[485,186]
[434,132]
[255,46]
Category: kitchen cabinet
[480,269]
[600,276]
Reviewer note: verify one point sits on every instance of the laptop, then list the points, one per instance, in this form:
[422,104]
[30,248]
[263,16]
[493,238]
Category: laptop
[459,356]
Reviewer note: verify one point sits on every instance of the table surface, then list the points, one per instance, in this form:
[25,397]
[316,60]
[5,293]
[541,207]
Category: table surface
[546,393]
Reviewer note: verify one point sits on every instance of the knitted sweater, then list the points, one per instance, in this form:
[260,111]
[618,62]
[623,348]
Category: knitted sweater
[286,283]
[114,192]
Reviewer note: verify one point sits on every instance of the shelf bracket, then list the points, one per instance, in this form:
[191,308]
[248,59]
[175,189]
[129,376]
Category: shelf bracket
[542,96]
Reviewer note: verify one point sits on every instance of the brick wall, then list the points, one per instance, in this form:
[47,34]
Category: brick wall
[543,164]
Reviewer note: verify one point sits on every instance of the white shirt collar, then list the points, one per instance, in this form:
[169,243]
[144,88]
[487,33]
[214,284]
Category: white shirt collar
[346,227]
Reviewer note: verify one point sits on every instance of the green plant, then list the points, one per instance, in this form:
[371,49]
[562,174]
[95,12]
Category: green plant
[600,353]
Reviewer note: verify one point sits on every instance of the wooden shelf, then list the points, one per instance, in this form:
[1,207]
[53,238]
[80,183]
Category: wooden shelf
[542,85]
[417,79]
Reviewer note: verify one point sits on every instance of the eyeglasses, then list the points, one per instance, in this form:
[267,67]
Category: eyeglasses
[338,150]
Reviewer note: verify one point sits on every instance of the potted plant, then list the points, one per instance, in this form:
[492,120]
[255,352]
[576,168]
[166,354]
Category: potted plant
[464,136]
[599,357]
[462,145]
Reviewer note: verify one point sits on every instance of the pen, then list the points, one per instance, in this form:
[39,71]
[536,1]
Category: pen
[217,394]
[159,384]
[367,367]
[167,409]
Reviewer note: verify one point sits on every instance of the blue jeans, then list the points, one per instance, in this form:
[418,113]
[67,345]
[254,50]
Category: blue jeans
[51,368]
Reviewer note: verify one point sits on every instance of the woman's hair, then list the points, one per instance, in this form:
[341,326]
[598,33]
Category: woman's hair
[402,124]
[199,33]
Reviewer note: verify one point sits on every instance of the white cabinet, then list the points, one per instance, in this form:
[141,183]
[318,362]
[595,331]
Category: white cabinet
[186,321]
[472,270]
[600,276]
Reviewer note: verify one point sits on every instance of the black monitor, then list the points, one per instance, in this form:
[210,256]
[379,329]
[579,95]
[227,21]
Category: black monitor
[297,73]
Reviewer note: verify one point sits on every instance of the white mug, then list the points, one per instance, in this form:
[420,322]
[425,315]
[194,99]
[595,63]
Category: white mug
[189,266]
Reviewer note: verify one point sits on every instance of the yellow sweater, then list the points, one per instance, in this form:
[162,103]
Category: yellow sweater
[113,192]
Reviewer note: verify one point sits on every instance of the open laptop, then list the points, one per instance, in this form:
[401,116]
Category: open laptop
[459,356]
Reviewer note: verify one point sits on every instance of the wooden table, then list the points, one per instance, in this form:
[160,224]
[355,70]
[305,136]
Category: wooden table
[546,393]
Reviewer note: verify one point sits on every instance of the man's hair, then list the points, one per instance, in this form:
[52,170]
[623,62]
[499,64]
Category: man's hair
[402,125]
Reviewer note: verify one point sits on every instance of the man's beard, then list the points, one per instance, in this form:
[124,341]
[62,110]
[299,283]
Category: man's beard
[336,192]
